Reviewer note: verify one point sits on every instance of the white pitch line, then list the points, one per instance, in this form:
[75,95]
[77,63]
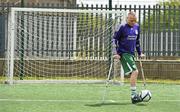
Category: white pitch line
[112,101]
[166,100]
[29,100]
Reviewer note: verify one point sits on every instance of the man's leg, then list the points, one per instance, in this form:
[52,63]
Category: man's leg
[135,98]
[133,79]
[129,66]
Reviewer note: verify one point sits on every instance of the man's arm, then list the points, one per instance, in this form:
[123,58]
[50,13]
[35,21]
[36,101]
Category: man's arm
[138,47]
[114,46]
[116,38]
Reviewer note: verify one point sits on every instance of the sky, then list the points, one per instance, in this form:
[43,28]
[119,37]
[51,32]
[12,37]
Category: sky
[119,2]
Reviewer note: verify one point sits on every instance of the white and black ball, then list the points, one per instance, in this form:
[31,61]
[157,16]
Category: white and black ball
[145,95]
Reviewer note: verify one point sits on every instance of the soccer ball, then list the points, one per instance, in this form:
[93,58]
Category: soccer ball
[145,95]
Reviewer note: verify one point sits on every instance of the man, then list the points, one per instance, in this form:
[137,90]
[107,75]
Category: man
[125,41]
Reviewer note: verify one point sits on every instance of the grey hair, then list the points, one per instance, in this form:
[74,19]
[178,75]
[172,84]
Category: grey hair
[132,13]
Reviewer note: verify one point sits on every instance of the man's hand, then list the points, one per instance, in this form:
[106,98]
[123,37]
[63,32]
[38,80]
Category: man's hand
[116,56]
[142,55]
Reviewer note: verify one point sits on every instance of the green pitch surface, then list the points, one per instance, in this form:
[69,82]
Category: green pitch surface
[85,98]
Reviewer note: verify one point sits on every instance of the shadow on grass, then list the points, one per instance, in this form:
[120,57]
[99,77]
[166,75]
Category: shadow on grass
[106,104]
[114,103]
[141,104]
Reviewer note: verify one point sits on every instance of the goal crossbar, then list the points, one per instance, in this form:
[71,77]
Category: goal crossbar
[64,10]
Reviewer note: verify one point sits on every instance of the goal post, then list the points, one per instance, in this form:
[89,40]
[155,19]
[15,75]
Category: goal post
[60,45]
[10,47]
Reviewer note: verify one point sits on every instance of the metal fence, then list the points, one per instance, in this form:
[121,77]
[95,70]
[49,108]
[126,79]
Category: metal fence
[160,26]
[160,35]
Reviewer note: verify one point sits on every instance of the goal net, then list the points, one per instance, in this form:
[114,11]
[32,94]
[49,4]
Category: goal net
[60,45]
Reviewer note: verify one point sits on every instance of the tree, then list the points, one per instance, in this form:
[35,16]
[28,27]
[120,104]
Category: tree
[165,15]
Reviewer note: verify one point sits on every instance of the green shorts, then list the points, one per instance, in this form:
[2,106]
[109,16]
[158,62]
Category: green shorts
[128,63]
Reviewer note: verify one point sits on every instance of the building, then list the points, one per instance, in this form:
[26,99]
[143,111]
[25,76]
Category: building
[65,3]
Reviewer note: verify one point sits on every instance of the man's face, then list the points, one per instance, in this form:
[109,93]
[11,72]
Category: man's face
[131,20]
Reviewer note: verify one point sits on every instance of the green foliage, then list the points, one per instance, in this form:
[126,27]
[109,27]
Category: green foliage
[163,17]
[171,3]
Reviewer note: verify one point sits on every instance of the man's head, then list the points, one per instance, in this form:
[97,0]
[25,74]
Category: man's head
[131,19]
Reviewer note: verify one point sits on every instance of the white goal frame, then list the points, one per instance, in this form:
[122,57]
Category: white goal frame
[11,44]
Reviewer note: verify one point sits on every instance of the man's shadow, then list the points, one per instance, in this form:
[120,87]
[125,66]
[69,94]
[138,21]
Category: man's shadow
[113,103]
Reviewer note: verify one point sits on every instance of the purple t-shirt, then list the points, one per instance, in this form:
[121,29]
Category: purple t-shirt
[126,39]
